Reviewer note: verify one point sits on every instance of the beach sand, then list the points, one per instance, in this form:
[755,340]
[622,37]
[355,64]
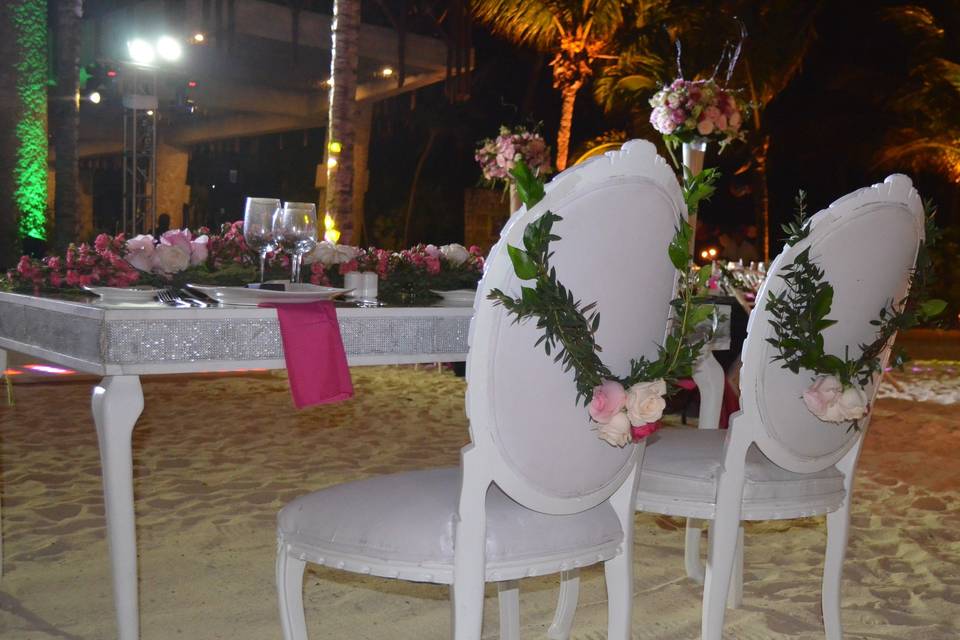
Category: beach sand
[216,456]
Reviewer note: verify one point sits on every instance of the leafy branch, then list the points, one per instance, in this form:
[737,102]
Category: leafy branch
[569,327]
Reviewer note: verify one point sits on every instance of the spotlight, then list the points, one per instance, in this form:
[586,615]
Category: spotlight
[95,97]
[334,147]
[331,163]
[150,112]
[704,254]
[169,49]
[198,37]
[712,252]
[386,72]
[111,73]
[192,84]
[141,51]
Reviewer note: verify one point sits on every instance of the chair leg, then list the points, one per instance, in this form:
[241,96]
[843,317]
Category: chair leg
[469,560]
[723,548]
[619,574]
[508,595]
[566,605]
[735,594]
[290,595]
[691,551]
[838,525]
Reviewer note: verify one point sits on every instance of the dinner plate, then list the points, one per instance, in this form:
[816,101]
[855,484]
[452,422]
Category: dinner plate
[297,293]
[457,297]
[119,295]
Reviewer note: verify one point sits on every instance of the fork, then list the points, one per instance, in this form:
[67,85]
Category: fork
[166,297]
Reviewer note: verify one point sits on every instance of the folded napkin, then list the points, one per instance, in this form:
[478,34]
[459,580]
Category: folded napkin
[313,349]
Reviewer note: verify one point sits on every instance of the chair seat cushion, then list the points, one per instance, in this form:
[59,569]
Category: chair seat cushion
[681,467]
[407,520]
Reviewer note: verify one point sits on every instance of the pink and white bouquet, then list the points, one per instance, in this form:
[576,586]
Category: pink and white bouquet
[175,251]
[688,109]
[626,415]
[498,155]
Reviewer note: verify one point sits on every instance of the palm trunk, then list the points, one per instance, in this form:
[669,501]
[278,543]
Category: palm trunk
[408,218]
[343,114]
[761,192]
[65,121]
[566,124]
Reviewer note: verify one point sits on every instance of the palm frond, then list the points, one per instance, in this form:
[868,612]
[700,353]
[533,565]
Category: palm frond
[526,22]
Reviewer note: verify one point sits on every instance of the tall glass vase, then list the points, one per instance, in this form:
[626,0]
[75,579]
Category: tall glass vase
[514,198]
[693,154]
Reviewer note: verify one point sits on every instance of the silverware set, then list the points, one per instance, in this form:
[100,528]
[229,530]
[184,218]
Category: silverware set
[173,298]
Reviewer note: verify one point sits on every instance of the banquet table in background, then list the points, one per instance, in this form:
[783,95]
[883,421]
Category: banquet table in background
[121,344]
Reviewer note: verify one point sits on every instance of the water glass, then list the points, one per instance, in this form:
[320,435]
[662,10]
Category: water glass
[295,230]
[258,216]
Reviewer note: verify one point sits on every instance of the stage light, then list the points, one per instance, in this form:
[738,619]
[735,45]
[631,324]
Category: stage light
[169,49]
[331,163]
[141,51]
[334,147]
[192,84]
[111,73]
[386,72]
[199,37]
[150,112]
[94,97]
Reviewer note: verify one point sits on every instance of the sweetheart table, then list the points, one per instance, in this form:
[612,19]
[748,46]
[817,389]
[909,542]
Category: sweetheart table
[121,344]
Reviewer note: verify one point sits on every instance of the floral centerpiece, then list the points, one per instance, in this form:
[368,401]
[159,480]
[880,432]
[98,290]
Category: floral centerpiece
[686,110]
[497,156]
[180,256]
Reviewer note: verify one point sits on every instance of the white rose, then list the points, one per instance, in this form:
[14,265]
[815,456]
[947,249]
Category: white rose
[828,400]
[170,258]
[617,431]
[853,403]
[645,403]
[456,254]
[328,253]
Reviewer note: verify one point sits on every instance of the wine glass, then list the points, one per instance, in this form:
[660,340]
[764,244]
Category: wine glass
[258,216]
[295,229]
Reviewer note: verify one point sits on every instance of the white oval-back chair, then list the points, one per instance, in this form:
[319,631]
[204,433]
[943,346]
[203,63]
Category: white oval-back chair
[777,460]
[537,491]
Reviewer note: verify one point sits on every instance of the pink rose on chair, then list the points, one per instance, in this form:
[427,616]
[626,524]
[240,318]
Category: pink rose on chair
[617,431]
[608,399]
[645,403]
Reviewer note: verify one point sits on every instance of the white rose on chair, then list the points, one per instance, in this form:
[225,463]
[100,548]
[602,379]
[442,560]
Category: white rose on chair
[828,400]
[645,403]
[456,254]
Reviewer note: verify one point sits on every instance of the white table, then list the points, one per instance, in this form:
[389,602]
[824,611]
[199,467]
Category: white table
[123,344]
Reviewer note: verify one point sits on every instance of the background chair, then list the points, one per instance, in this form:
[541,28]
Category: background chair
[777,460]
[537,492]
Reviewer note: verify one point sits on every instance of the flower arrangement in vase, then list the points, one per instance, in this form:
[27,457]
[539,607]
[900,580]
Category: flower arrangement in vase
[497,157]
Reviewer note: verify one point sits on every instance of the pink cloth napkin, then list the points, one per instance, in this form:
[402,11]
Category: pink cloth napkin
[313,349]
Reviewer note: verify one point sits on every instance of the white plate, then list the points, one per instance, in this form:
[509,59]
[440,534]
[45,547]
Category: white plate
[118,295]
[301,292]
[457,297]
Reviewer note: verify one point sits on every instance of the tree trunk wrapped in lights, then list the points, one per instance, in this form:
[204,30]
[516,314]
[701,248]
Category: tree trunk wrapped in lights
[23,123]
[342,118]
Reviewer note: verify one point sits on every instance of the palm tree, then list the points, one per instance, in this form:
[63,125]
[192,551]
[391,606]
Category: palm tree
[65,120]
[578,33]
[343,113]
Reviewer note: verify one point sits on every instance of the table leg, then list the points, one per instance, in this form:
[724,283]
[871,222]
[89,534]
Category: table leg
[117,403]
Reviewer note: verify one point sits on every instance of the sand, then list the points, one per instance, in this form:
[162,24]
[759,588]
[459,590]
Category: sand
[216,456]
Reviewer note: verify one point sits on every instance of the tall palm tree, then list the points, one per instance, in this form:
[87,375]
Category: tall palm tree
[578,33]
[341,135]
[65,120]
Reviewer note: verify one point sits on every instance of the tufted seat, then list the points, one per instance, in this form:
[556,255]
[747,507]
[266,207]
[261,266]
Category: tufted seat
[679,475]
[338,525]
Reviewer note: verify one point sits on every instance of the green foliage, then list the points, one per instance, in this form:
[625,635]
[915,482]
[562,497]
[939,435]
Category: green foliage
[569,326]
[698,188]
[800,227]
[799,314]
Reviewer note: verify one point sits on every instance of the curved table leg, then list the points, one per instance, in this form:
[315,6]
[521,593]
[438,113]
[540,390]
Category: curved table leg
[117,403]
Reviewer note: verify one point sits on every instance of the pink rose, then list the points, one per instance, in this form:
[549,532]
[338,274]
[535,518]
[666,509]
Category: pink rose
[645,403]
[433,264]
[431,250]
[617,431]
[705,127]
[641,432]
[102,243]
[177,238]
[168,258]
[822,394]
[608,399]
[199,250]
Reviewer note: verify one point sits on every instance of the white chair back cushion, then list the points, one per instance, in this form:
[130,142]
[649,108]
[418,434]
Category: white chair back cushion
[866,243]
[619,214]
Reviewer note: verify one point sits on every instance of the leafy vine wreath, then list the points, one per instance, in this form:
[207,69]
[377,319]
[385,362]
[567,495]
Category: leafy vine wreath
[799,317]
[626,408]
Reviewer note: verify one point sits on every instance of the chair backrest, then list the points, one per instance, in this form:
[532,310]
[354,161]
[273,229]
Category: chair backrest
[619,214]
[866,243]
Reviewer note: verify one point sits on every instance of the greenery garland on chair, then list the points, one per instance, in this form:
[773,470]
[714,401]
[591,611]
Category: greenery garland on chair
[626,408]
[799,317]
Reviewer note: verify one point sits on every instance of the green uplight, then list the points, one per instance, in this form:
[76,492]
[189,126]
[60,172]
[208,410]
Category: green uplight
[30,172]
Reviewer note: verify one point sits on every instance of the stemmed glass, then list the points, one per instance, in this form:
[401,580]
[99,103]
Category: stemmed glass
[258,214]
[295,229]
